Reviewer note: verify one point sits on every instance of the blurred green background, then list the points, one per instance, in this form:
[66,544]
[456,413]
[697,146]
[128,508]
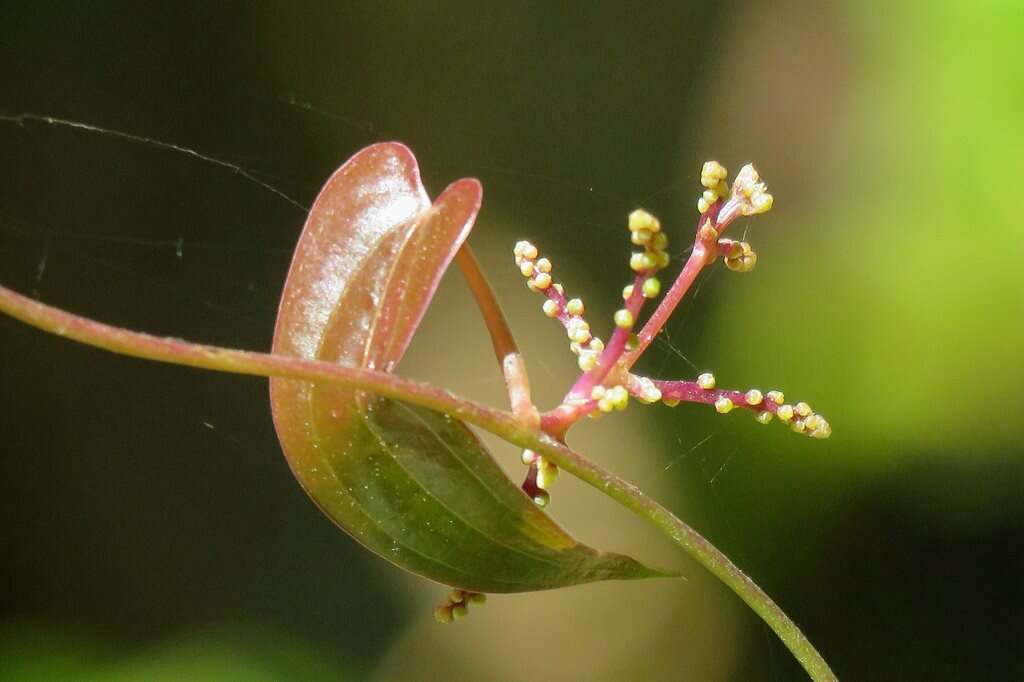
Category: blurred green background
[151,527]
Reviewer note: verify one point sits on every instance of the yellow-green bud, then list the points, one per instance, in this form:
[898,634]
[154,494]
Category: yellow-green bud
[641,237]
[587,361]
[706,381]
[711,173]
[642,260]
[578,330]
[646,391]
[619,397]
[824,430]
[547,473]
[642,220]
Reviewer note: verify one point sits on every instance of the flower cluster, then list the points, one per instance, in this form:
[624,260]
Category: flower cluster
[712,177]
[800,417]
[739,257]
[749,196]
[456,605]
[607,382]
[542,476]
[537,272]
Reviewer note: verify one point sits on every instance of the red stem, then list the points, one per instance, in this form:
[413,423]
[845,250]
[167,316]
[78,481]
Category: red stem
[703,253]
[689,391]
[613,350]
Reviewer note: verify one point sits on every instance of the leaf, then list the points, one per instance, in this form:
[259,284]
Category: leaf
[413,485]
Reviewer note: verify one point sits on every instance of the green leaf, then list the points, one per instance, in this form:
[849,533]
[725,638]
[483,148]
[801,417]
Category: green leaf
[412,485]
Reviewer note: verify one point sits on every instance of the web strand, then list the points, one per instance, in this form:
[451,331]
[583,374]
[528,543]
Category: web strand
[21,119]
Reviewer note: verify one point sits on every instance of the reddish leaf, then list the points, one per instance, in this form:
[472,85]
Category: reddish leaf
[413,485]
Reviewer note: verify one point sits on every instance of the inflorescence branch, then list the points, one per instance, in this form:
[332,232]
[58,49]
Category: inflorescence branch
[605,383]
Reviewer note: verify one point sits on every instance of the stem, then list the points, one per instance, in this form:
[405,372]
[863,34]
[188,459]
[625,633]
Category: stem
[696,545]
[694,264]
[498,422]
[513,368]
[501,335]
[703,253]
[691,392]
[614,350]
[558,421]
[179,352]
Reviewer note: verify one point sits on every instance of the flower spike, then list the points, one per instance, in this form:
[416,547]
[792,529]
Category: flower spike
[712,176]
[800,416]
[456,605]
[606,382]
[537,271]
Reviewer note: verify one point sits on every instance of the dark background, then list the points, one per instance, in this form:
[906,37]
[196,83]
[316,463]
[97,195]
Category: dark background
[151,526]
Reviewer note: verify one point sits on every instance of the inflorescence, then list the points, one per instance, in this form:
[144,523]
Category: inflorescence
[606,383]
[456,605]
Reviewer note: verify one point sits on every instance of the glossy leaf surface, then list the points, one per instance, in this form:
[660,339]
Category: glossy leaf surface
[413,485]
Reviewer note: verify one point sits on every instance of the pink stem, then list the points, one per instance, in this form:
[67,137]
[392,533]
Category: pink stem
[554,295]
[557,422]
[694,264]
[704,251]
[689,391]
[613,350]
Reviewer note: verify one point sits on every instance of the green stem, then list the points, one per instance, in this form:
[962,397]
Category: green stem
[498,422]
[180,352]
[695,544]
